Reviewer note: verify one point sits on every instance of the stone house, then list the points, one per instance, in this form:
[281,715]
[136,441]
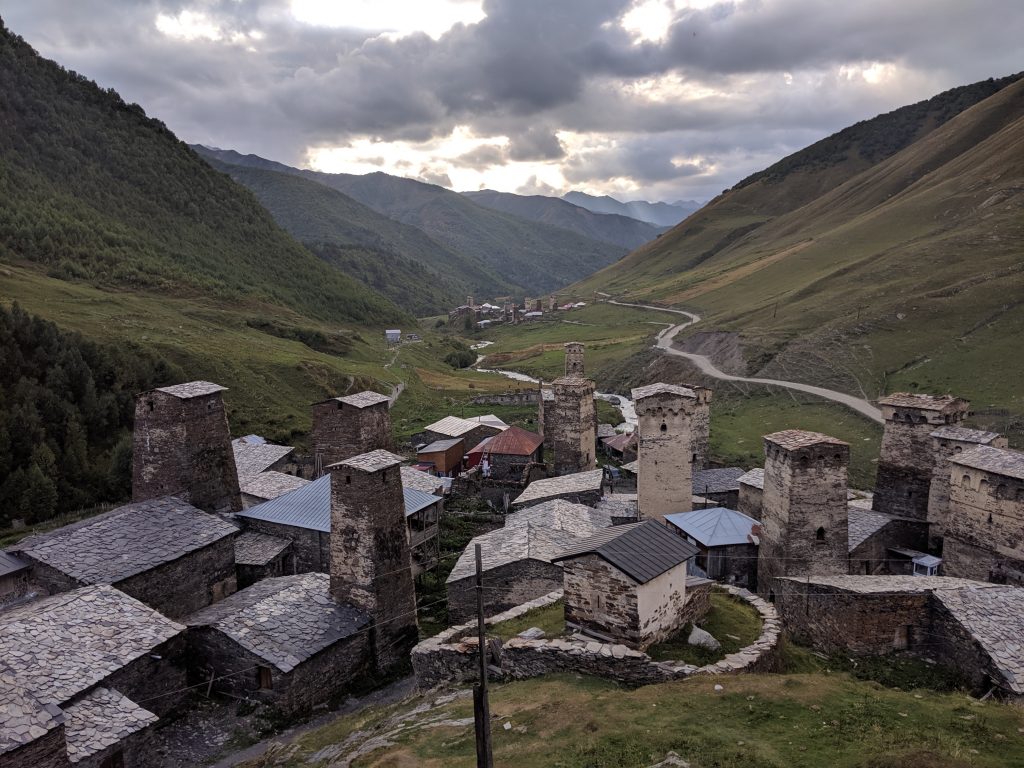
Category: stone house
[751,489]
[262,556]
[579,488]
[509,456]
[445,457]
[166,553]
[720,485]
[883,544]
[517,558]
[283,641]
[622,447]
[971,627]
[14,573]
[422,517]
[263,470]
[946,443]
[453,427]
[268,485]
[181,446]
[83,675]
[804,519]
[628,583]
[348,426]
[906,458]
[727,543]
[986,518]
[666,457]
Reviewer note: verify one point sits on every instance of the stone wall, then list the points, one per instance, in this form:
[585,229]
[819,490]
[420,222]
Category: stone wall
[700,427]
[450,657]
[872,555]
[985,525]
[938,492]
[13,587]
[750,501]
[341,430]
[832,619]
[191,582]
[156,679]
[573,428]
[312,549]
[507,586]
[512,397]
[666,455]
[48,751]
[183,447]
[600,598]
[804,523]
[136,751]
[733,564]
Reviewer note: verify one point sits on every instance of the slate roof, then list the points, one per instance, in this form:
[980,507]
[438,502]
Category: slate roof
[11,563]
[254,548]
[938,403]
[192,389]
[420,481]
[127,541]
[862,524]
[964,435]
[994,616]
[253,458]
[515,441]
[417,500]
[794,439]
[572,380]
[754,478]
[440,446]
[374,461]
[643,551]
[62,645]
[618,505]
[620,442]
[270,485]
[721,480]
[452,426]
[715,527]
[578,482]
[364,399]
[537,533]
[639,393]
[101,719]
[23,718]
[880,585]
[999,461]
[633,466]
[605,430]
[284,620]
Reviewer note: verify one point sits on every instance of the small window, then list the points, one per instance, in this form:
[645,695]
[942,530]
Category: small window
[150,404]
[348,479]
[693,459]
[965,481]
[820,534]
[266,679]
[664,427]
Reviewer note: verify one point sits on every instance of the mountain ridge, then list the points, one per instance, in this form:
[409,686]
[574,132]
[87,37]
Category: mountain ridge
[659,213]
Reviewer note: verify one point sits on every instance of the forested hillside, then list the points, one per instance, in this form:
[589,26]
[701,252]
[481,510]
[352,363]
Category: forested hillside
[95,191]
[66,406]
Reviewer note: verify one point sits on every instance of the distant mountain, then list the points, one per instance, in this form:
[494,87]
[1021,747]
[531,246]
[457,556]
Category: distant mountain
[659,214]
[888,256]
[398,260]
[606,227]
[532,257]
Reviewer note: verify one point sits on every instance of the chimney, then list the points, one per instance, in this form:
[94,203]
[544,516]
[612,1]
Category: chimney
[665,452]
[371,567]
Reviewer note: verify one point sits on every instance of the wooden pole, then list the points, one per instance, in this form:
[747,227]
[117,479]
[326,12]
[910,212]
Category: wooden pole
[481,707]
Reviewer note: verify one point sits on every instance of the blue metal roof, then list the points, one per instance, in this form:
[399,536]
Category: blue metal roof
[714,527]
[310,506]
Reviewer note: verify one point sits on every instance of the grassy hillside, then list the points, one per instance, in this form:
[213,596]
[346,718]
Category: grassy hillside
[95,191]
[904,274]
[535,258]
[605,227]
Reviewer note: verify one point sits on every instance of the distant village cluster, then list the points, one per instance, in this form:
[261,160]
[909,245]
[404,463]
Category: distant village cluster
[241,569]
[507,310]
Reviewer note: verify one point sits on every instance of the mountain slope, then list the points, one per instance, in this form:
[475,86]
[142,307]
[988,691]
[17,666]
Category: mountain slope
[533,257]
[905,272]
[658,214]
[605,227]
[397,260]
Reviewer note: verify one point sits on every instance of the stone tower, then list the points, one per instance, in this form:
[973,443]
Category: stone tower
[572,425]
[665,415]
[804,508]
[947,444]
[701,425]
[350,425]
[906,460]
[574,359]
[371,567]
[181,446]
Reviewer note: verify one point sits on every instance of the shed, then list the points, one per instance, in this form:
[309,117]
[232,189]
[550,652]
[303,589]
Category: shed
[628,583]
[507,455]
[445,455]
[393,335]
[727,541]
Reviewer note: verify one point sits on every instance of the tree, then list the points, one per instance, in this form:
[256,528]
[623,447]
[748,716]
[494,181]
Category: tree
[39,500]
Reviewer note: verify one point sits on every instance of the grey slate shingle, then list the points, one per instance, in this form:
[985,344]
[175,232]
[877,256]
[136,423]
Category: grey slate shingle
[100,719]
[23,718]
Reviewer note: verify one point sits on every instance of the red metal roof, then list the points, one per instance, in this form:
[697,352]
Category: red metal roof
[514,441]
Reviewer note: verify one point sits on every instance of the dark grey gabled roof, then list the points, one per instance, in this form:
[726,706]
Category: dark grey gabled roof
[642,551]
[717,480]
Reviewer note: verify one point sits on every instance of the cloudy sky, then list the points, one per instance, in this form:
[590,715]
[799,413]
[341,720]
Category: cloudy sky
[641,99]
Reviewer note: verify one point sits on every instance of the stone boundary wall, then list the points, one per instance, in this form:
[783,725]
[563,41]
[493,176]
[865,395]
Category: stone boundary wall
[450,657]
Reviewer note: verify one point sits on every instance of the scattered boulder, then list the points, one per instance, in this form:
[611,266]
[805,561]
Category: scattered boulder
[703,639]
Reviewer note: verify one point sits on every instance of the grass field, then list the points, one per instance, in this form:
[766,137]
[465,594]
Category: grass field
[733,623]
[756,721]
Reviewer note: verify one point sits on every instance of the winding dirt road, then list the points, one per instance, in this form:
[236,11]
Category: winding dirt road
[704,364]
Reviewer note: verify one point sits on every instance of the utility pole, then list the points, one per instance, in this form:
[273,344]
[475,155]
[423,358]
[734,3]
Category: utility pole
[481,707]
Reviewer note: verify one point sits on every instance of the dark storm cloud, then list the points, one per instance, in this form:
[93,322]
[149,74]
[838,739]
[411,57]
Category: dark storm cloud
[754,80]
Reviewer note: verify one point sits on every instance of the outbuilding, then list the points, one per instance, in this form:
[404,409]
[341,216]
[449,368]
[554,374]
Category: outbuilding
[444,455]
[727,544]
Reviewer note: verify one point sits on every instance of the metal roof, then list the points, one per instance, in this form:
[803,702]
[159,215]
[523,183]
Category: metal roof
[11,564]
[515,441]
[417,500]
[453,426]
[642,551]
[715,527]
[440,446]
